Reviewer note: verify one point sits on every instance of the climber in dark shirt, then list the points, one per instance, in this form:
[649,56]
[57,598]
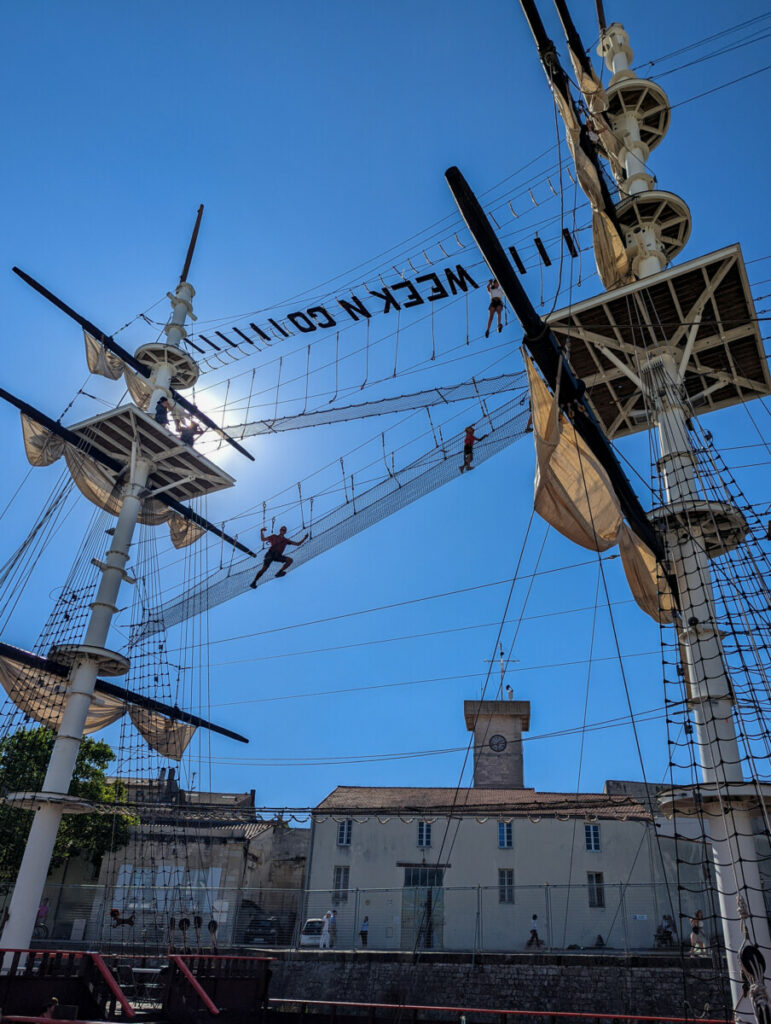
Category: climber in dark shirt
[275,553]
[189,431]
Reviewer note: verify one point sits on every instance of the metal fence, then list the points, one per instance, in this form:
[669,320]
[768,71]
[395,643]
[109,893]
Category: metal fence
[611,917]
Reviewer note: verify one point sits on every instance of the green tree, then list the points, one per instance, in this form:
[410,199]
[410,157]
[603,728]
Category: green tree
[24,758]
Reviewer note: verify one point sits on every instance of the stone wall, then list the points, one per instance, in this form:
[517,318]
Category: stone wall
[645,985]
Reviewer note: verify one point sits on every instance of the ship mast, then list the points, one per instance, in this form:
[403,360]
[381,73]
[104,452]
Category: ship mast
[697,530]
[138,445]
[648,355]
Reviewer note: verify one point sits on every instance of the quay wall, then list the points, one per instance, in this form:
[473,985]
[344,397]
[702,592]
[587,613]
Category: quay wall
[584,983]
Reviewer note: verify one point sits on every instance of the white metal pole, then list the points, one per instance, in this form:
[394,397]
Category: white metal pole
[33,872]
[175,331]
[710,693]
[614,47]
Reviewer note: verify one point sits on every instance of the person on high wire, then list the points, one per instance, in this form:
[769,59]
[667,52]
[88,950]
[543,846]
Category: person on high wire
[468,448]
[277,545]
[496,305]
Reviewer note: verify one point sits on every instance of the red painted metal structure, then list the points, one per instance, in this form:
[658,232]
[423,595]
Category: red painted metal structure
[82,979]
[112,984]
[502,1014]
[234,987]
[44,1020]
[192,981]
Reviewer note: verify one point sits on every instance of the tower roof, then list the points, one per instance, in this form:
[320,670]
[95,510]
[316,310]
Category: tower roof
[476,710]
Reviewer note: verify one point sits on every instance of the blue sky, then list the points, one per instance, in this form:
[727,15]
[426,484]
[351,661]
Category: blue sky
[318,136]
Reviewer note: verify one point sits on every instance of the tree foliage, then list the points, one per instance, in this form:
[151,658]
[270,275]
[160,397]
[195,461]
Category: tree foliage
[24,757]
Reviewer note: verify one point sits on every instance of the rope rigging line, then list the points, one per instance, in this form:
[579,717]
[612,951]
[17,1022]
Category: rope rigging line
[440,855]
[475,265]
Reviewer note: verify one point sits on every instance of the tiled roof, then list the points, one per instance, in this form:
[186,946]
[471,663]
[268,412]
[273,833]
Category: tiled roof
[516,803]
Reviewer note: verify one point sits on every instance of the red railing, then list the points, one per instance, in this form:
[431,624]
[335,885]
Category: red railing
[62,963]
[506,1013]
[8,1018]
[112,984]
[191,979]
[219,956]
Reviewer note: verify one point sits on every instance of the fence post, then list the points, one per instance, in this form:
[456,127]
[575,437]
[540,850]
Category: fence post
[622,911]
[355,919]
[479,944]
[547,903]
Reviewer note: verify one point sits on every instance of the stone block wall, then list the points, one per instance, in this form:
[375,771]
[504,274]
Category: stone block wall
[645,985]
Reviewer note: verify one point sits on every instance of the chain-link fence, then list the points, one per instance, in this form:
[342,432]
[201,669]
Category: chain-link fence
[503,918]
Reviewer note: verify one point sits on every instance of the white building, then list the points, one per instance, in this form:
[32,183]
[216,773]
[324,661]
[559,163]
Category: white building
[192,855]
[463,869]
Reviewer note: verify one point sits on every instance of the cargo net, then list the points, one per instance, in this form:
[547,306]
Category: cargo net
[358,511]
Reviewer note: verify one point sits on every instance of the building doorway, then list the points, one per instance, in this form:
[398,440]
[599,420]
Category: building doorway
[423,908]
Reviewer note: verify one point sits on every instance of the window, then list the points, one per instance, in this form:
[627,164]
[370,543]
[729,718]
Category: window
[424,877]
[596,885]
[344,832]
[424,833]
[505,885]
[592,836]
[505,840]
[340,879]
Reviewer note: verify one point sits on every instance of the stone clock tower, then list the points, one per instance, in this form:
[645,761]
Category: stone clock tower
[498,726]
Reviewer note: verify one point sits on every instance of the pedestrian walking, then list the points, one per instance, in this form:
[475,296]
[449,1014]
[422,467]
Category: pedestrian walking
[324,940]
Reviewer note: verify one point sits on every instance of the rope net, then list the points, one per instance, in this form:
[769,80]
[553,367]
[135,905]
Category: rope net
[466,391]
[400,488]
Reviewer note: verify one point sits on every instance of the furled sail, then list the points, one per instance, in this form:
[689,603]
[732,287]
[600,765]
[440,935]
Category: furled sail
[105,363]
[162,734]
[39,693]
[574,495]
[572,490]
[596,102]
[100,361]
[609,252]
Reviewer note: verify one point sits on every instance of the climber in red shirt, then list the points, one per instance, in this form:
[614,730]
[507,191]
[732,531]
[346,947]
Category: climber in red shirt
[468,447]
[277,545]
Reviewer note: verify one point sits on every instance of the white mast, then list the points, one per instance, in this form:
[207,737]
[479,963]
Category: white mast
[131,437]
[697,530]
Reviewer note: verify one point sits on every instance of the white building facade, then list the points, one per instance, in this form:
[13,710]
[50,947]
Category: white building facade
[464,869]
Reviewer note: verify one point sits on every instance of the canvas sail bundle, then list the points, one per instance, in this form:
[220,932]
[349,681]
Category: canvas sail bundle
[609,252]
[106,364]
[43,448]
[100,361]
[161,733]
[574,495]
[40,694]
[596,101]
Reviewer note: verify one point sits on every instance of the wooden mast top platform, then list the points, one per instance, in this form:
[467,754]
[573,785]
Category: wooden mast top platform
[178,470]
[721,353]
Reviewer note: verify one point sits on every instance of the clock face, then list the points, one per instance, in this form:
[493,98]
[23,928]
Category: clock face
[498,743]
